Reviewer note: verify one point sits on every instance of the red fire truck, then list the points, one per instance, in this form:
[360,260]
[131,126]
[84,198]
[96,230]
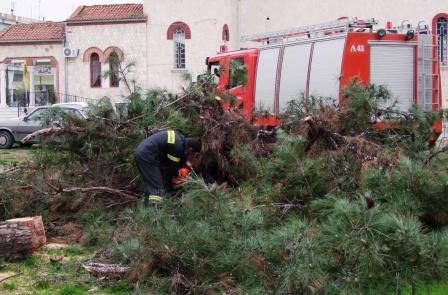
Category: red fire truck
[323,59]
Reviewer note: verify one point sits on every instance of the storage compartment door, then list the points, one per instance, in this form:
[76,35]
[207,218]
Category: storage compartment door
[326,68]
[265,82]
[294,74]
[393,66]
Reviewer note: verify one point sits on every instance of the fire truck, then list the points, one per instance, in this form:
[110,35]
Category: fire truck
[323,59]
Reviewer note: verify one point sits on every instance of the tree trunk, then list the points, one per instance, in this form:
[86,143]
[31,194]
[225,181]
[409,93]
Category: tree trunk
[15,242]
[36,227]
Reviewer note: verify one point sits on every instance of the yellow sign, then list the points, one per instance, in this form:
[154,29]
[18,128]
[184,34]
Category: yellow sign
[26,76]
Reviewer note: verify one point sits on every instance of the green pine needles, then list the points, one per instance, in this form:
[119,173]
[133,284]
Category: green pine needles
[331,205]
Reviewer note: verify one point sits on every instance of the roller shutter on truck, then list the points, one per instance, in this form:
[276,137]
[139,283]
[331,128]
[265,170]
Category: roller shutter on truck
[326,68]
[326,60]
[393,65]
[265,81]
[294,73]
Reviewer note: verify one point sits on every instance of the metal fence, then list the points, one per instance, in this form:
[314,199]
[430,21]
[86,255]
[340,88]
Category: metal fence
[22,99]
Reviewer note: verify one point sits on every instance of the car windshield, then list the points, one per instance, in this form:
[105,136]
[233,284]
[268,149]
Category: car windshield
[86,111]
[39,114]
[47,115]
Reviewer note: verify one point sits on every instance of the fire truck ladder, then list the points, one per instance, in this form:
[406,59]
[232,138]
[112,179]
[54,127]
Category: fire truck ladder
[428,81]
[312,31]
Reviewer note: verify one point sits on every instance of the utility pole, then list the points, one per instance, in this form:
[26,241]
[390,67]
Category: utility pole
[39,10]
[13,7]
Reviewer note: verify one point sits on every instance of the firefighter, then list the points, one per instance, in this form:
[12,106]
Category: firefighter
[163,154]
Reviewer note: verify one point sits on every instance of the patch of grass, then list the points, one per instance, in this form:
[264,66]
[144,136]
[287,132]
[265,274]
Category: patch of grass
[437,289]
[69,251]
[73,250]
[29,262]
[14,156]
[8,286]
[38,275]
[119,289]
[70,289]
[42,285]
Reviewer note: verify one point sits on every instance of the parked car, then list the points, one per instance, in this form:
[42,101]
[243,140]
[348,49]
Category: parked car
[14,130]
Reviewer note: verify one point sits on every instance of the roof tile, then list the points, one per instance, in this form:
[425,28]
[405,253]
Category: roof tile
[107,13]
[47,31]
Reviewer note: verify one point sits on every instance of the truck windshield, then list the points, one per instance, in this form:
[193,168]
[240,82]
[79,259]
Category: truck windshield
[237,72]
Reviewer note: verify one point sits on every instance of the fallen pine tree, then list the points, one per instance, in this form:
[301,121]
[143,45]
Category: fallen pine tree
[325,204]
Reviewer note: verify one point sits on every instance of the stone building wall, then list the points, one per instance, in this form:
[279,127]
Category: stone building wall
[205,20]
[130,38]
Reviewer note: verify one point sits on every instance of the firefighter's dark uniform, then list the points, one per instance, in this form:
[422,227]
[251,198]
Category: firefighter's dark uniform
[165,149]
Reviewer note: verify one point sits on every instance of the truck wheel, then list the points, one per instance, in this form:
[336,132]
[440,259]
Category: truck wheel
[6,140]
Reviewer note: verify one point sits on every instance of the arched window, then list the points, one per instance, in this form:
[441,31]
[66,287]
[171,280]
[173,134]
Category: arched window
[225,33]
[179,48]
[114,64]
[95,70]
[442,39]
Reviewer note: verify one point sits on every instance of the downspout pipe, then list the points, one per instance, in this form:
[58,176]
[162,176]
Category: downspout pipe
[65,65]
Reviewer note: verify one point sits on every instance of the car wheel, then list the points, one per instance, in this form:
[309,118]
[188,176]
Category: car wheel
[6,140]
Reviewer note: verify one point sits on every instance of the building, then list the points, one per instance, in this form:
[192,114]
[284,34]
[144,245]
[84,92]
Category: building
[39,46]
[97,32]
[182,34]
[167,39]
[92,34]
[7,20]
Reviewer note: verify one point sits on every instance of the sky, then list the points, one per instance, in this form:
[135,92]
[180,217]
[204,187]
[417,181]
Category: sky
[52,10]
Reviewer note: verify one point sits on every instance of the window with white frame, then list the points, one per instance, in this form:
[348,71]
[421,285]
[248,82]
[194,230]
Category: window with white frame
[179,48]
[442,39]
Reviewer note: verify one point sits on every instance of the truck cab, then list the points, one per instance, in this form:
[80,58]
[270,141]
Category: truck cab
[225,66]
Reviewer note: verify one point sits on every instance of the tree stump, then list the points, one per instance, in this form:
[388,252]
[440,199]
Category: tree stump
[15,242]
[36,227]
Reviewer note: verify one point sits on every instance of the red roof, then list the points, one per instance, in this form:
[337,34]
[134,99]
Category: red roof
[104,13]
[48,31]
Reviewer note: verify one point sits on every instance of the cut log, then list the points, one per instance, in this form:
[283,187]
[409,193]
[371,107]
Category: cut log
[6,275]
[15,242]
[101,269]
[36,227]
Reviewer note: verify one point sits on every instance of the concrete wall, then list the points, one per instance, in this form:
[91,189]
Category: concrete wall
[205,18]
[289,13]
[130,38]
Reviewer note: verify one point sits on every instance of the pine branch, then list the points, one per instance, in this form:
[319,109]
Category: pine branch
[435,155]
[13,169]
[51,131]
[124,194]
